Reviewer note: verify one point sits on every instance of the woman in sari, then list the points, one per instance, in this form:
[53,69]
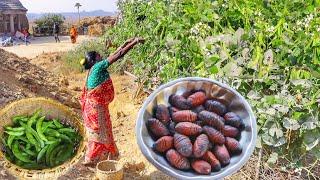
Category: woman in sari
[73,34]
[97,93]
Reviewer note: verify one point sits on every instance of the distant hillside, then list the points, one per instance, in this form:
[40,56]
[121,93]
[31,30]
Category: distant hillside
[73,15]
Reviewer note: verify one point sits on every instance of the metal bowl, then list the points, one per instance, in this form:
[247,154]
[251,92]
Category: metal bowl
[214,89]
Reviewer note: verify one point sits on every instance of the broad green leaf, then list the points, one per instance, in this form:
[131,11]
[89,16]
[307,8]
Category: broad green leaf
[310,123]
[275,131]
[281,108]
[214,59]
[302,82]
[273,141]
[232,69]
[311,139]
[270,111]
[253,95]
[214,70]
[268,57]
[273,158]
[290,124]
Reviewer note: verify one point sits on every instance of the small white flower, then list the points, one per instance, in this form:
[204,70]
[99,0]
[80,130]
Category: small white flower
[270,29]
[307,24]
[299,23]
[257,13]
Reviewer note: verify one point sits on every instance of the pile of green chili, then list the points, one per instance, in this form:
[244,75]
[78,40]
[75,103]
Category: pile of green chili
[34,142]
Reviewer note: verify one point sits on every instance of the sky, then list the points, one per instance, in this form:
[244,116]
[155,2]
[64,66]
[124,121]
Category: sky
[47,6]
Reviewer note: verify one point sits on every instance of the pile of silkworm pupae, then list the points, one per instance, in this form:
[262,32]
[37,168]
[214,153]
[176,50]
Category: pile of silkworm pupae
[196,132]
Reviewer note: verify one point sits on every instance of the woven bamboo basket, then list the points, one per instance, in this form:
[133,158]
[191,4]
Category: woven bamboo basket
[51,109]
[109,170]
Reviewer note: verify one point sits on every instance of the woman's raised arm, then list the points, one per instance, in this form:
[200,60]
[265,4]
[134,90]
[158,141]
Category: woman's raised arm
[124,49]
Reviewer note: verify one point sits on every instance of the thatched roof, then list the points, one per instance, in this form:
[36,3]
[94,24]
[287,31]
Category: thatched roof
[11,5]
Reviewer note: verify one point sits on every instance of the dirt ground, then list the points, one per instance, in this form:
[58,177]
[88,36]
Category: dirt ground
[46,75]
[41,45]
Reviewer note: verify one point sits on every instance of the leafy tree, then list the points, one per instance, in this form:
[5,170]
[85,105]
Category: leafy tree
[48,20]
[78,5]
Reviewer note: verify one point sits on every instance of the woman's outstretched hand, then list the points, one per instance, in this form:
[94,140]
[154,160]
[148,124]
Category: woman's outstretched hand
[124,49]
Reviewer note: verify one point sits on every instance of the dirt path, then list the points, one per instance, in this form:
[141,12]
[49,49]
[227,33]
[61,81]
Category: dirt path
[41,45]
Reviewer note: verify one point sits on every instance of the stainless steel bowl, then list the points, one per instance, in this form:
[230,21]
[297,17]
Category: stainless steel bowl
[236,103]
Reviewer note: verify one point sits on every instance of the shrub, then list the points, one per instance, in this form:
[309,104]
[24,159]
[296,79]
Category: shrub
[72,58]
[48,20]
[268,50]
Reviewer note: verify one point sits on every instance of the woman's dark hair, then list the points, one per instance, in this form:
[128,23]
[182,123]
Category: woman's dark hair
[90,59]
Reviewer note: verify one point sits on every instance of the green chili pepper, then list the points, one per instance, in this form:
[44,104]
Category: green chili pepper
[65,153]
[54,153]
[35,134]
[23,124]
[72,136]
[29,152]
[15,129]
[19,118]
[57,123]
[39,129]
[8,153]
[64,130]
[64,137]
[53,132]
[32,131]
[15,133]
[33,119]
[41,153]
[10,140]
[47,125]
[28,146]
[22,138]
[57,134]
[52,140]
[49,150]
[18,154]
[32,140]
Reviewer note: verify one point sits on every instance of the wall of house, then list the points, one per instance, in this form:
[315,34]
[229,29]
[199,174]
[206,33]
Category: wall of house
[5,22]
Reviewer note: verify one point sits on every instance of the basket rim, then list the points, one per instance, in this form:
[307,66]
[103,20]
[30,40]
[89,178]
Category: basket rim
[67,164]
[117,164]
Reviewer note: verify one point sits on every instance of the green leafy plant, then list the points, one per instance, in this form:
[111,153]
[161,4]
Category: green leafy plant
[268,50]
[48,20]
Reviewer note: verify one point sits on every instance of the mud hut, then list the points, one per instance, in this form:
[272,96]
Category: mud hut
[12,16]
